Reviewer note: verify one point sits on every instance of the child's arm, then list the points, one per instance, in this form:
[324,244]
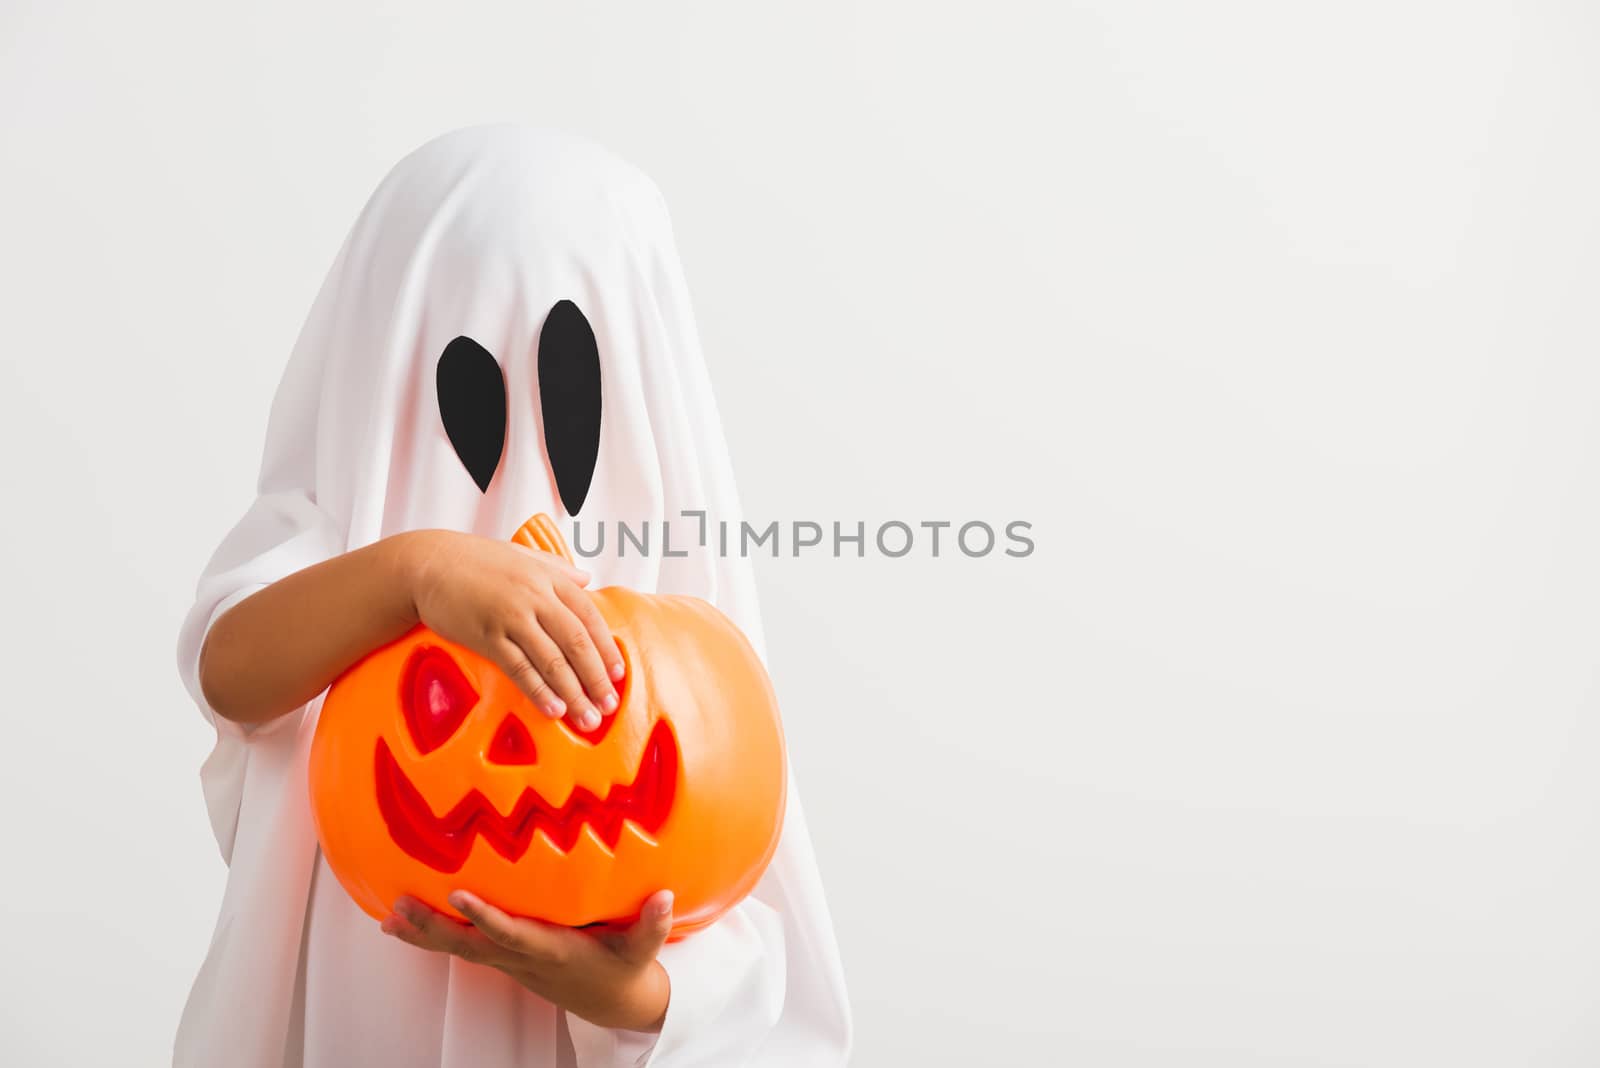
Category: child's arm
[522,609]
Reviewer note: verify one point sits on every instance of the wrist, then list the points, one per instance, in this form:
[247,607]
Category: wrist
[639,1004]
[654,998]
[413,557]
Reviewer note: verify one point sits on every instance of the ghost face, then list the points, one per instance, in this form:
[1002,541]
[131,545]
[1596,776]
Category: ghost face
[473,404]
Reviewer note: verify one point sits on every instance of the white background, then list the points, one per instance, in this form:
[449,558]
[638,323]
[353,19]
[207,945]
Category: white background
[1277,320]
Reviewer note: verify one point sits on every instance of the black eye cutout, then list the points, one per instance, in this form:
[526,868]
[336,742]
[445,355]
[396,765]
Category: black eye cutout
[472,404]
[569,398]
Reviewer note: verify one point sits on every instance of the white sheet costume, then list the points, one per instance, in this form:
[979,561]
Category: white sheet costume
[479,233]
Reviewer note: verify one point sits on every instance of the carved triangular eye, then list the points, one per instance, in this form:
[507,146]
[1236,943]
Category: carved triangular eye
[435,697]
[512,744]
[569,399]
[472,404]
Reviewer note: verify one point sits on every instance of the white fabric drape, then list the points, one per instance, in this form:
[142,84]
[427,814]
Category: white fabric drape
[480,232]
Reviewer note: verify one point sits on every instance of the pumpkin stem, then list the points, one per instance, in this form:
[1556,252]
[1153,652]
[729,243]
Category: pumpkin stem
[540,532]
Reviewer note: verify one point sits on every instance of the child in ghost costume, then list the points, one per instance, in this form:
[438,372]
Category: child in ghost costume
[479,234]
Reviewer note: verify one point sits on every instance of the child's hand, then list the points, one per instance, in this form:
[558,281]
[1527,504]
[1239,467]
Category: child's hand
[611,979]
[524,610]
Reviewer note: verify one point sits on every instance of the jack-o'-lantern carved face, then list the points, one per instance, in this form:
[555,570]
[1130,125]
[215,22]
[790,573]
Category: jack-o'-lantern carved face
[430,771]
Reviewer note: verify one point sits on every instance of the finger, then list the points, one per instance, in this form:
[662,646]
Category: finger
[541,942]
[581,652]
[412,936]
[396,925]
[511,658]
[584,649]
[424,928]
[588,614]
[643,941]
[551,664]
[560,563]
[399,927]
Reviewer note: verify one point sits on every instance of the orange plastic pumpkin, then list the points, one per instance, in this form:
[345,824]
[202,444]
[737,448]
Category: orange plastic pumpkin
[430,771]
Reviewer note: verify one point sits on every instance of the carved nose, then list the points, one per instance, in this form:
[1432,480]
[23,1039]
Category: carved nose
[512,744]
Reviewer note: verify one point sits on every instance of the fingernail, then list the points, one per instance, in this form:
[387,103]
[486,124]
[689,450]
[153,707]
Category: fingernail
[556,708]
[459,901]
[610,702]
[666,903]
[591,719]
[617,671]
[388,926]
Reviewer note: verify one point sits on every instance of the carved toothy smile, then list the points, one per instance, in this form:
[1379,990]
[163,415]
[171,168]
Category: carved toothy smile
[444,842]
